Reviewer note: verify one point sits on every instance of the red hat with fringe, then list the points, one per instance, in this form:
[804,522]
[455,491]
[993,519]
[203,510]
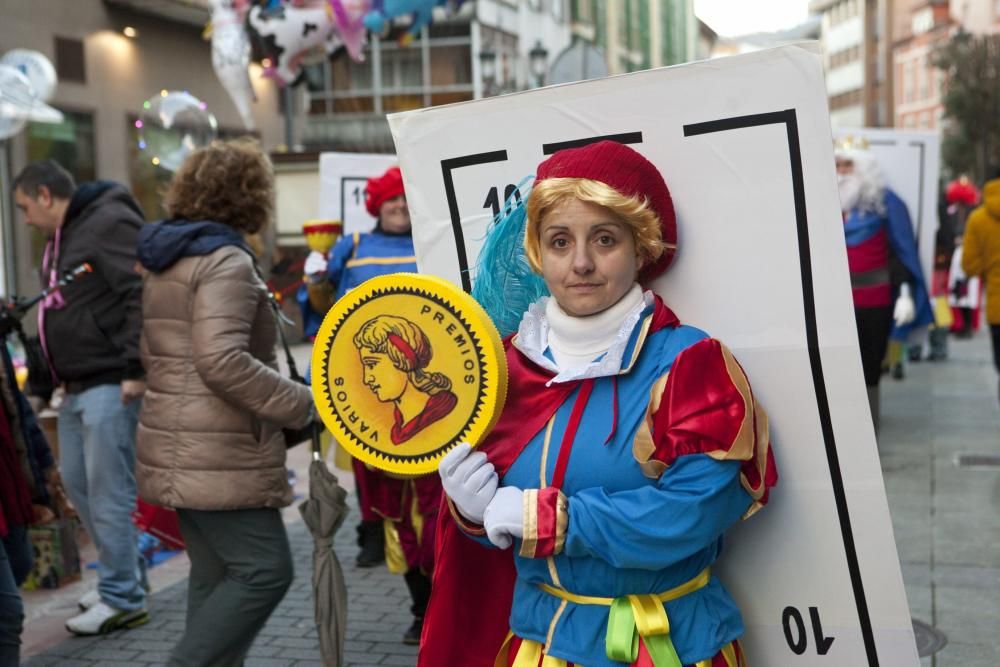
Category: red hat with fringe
[381,189]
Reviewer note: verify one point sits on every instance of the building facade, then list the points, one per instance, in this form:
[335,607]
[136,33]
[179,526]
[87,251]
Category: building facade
[638,34]
[918,82]
[484,49]
[488,47]
[854,35]
[104,77]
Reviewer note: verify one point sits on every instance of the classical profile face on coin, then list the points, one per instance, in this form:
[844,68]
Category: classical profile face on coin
[405,367]
[395,354]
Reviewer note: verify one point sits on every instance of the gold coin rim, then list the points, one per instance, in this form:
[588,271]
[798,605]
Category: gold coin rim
[483,336]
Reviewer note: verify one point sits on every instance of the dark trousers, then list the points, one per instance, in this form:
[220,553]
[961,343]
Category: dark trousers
[995,334]
[874,327]
[241,567]
[15,564]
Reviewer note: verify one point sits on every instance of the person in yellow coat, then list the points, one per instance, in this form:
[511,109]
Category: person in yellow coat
[981,254]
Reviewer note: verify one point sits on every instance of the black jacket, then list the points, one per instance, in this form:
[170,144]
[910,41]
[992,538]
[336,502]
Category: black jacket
[94,339]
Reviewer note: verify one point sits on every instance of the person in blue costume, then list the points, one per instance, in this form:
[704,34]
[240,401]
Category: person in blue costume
[353,260]
[583,530]
[887,283]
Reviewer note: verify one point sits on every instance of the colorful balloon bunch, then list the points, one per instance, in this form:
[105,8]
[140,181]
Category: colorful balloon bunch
[285,34]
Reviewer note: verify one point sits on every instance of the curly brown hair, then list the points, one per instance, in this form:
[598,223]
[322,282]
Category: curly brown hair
[231,182]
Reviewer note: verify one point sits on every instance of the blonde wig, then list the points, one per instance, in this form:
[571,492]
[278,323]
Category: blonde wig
[633,211]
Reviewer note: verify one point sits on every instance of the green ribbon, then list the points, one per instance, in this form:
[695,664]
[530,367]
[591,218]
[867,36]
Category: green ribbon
[622,640]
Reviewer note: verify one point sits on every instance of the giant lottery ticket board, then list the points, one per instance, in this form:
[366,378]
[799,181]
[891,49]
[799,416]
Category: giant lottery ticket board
[910,161]
[745,147]
[342,178]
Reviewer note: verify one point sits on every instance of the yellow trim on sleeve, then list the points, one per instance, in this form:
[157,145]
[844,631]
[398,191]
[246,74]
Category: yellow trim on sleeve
[380,261]
[529,520]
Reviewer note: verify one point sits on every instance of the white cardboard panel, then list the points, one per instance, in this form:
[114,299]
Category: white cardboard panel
[342,178]
[911,163]
[744,144]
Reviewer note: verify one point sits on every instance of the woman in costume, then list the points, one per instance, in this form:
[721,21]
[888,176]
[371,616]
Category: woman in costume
[583,530]
[394,354]
[404,512]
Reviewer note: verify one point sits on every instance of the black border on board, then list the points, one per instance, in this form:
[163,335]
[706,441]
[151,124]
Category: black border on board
[922,145]
[447,167]
[789,120]
[343,194]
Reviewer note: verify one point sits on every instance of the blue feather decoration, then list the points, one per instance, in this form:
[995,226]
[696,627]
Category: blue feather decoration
[504,284]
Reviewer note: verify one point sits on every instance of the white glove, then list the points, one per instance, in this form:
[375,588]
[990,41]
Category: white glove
[315,265]
[469,480]
[504,518]
[904,311]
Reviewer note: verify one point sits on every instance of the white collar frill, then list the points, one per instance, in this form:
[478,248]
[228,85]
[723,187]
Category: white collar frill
[533,336]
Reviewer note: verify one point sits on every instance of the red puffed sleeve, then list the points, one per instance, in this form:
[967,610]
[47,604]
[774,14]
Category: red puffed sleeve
[704,405]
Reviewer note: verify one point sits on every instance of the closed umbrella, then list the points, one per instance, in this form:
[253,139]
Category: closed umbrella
[324,511]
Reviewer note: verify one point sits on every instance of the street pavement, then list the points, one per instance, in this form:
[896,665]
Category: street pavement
[378,616]
[946,519]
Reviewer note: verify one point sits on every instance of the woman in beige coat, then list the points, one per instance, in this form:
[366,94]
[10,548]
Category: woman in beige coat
[209,441]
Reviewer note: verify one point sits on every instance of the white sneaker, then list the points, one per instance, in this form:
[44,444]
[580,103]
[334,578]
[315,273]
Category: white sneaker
[102,619]
[89,599]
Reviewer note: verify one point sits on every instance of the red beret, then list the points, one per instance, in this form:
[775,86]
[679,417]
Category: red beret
[383,188]
[627,171]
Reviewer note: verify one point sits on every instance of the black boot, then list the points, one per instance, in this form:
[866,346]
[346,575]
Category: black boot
[371,539]
[412,636]
[420,592]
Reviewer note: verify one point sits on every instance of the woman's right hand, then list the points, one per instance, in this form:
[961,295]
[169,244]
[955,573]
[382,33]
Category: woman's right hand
[469,480]
[315,266]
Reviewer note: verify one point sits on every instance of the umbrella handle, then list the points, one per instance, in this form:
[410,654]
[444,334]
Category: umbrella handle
[317,449]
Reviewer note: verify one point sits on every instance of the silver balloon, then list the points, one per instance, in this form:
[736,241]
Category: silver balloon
[172,125]
[37,68]
[18,103]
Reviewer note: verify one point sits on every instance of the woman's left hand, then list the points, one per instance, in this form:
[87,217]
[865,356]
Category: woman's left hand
[504,517]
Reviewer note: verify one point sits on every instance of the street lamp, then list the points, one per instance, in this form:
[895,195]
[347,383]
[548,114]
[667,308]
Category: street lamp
[538,59]
[488,65]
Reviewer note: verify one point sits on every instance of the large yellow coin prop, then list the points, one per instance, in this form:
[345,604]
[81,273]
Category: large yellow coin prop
[404,368]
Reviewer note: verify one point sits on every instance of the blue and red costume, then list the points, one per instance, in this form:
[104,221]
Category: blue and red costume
[630,481]
[882,255]
[353,260]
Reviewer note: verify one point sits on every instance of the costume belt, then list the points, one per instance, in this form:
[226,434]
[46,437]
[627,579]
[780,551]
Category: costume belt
[635,616]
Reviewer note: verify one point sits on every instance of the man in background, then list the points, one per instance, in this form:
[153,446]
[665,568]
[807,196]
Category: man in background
[90,334]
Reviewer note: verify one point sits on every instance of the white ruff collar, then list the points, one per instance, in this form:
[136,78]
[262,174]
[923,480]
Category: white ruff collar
[609,330]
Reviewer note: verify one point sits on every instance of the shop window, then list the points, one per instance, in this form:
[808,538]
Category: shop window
[354,104]
[394,103]
[450,98]
[70,143]
[451,65]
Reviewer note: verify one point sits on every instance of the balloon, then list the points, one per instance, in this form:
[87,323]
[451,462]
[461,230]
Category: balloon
[231,55]
[349,16]
[172,125]
[384,11]
[37,68]
[286,34]
[18,103]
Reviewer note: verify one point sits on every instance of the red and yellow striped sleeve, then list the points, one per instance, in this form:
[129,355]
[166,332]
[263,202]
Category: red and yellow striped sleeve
[545,521]
[705,405]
